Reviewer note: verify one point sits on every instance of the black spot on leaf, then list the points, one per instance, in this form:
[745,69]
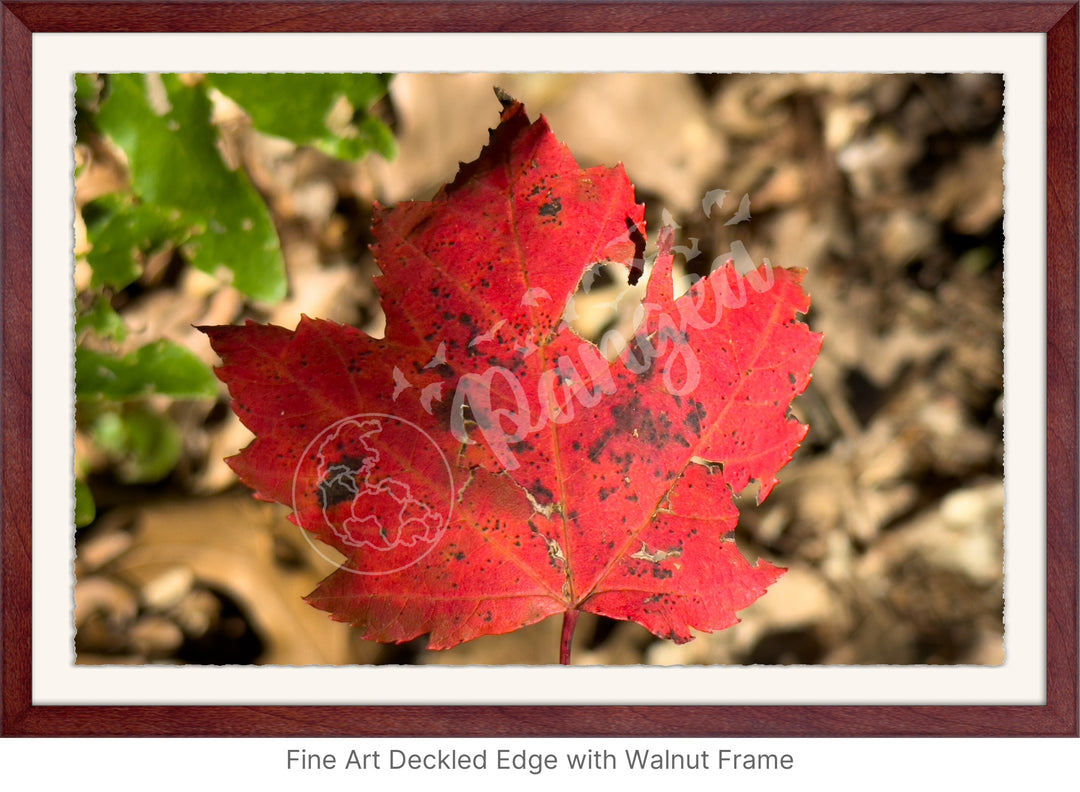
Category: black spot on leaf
[551,208]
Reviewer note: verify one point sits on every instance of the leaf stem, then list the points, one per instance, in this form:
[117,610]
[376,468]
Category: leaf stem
[568,625]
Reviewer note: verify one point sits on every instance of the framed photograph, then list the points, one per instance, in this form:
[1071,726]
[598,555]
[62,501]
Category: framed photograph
[539,369]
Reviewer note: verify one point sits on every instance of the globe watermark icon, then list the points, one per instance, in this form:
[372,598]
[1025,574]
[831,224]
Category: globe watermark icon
[375,487]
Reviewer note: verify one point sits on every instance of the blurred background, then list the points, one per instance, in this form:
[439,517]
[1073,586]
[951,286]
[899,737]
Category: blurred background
[887,189]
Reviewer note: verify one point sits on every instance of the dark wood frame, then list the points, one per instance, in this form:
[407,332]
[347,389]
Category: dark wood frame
[1058,717]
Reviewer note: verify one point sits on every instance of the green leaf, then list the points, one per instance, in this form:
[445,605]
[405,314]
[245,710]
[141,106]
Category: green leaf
[121,233]
[326,111]
[85,511]
[143,446]
[102,320]
[87,89]
[164,128]
[159,367]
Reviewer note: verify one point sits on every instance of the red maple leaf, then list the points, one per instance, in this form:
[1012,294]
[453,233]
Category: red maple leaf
[482,467]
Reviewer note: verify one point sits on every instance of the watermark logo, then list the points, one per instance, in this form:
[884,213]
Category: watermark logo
[498,404]
[379,486]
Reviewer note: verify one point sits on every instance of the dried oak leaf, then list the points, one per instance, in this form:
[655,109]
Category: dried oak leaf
[482,467]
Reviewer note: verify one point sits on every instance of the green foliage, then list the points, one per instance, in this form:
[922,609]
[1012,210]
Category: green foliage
[101,320]
[184,197]
[86,90]
[142,445]
[326,111]
[176,167]
[183,192]
[124,232]
[159,367]
[85,510]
